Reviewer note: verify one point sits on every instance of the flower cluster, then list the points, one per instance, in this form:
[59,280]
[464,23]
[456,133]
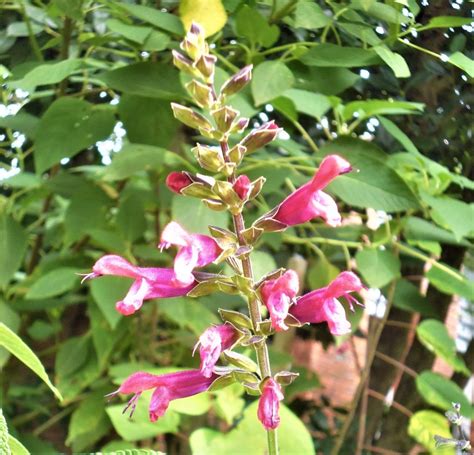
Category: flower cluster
[277,292]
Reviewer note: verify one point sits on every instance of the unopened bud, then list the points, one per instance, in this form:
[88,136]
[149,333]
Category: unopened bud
[194,43]
[201,93]
[242,187]
[209,158]
[240,125]
[224,118]
[206,65]
[184,64]
[177,181]
[190,118]
[260,136]
[236,153]
[237,82]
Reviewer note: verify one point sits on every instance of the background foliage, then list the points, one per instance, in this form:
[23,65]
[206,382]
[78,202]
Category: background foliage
[87,138]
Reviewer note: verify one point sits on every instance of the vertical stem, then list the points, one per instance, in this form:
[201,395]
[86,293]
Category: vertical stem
[261,349]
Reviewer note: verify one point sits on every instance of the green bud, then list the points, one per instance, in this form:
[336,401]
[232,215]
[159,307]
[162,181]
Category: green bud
[190,118]
[237,82]
[240,361]
[201,93]
[209,158]
[224,118]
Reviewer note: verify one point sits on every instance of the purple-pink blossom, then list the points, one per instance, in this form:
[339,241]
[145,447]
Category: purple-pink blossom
[269,404]
[322,305]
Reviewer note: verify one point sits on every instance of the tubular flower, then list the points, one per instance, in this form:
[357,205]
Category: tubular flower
[323,304]
[278,295]
[194,250]
[167,387]
[212,342]
[150,282]
[269,404]
[309,201]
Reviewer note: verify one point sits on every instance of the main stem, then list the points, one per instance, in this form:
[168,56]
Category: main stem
[254,308]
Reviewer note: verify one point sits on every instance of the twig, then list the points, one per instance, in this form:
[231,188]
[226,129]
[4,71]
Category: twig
[396,363]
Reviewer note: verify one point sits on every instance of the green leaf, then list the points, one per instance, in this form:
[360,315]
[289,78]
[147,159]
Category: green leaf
[72,355]
[131,217]
[70,8]
[147,120]
[423,427]
[399,135]
[19,349]
[13,243]
[441,392]
[203,217]
[321,273]
[68,126]
[310,16]
[156,41]
[22,121]
[229,403]
[106,291]
[407,297]
[313,104]
[381,11]
[369,108]
[193,406]
[250,24]
[375,184]
[53,283]
[378,267]
[462,61]
[47,73]
[446,22]
[331,55]
[135,33]
[433,334]
[250,437]
[395,61]
[270,80]
[154,16]
[16,447]
[419,229]
[263,263]
[450,281]
[11,319]
[150,79]
[210,14]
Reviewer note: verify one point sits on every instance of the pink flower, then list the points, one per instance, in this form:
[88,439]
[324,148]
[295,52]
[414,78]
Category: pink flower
[168,387]
[269,404]
[322,304]
[278,295]
[150,282]
[212,342]
[242,186]
[177,181]
[309,202]
[194,250]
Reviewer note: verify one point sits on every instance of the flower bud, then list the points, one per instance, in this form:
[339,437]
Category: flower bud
[190,118]
[206,65]
[236,153]
[177,181]
[240,125]
[260,136]
[184,64]
[269,404]
[238,81]
[224,118]
[201,93]
[209,158]
[242,187]
[194,44]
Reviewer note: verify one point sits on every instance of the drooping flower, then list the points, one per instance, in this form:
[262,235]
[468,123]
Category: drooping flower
[212,342]
[168,387]
[150,282]
[278,295]
[269,404]
[323,304]
[309,201]
[194,250]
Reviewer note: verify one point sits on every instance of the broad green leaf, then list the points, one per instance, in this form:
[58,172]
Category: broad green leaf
[154,16]
[249,436]
[135,33]
[321,273]
[433,334]
[369,108]
[263,263]
[381,11]
[378,267]
[407,297]
[210,14]
[229,403]
[364,33]
[394,60]
[131,217]
[147,120]
[47,73]
[446,22]
[107,291]
[270,80]
[375,184]
[13,243]
[250,24]
[16,447]
[11,319]
[419,229]
[423,427]
[399,135]
[4,446]
[439,391]
[156,41]
[309,15]
[19,349]
[53,283]
[68,126]
[72,355]
[462,61]
[150,79]
[313,104]
[450,281]
[193,406]
[22,121]
[202,218]
[70,8]
[331,55]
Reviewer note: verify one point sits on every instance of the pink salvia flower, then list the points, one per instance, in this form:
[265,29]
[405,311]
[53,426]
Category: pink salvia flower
[309,201]
[212,342]
[278,295]
[168,387]
[242,186]
[269,404]
[150,282]
[323,304]
[194,250]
